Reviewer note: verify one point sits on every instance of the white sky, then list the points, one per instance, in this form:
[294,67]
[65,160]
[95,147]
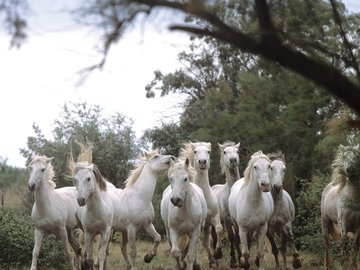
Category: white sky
[38,79]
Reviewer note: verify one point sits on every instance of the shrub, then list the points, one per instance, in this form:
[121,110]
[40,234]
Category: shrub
[17,242]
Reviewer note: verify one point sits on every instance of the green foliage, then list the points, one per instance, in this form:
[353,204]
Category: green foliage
[17,241]
[113,138]
[10,175]
[307,225]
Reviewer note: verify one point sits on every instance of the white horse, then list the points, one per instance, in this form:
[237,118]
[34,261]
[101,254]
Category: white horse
[251,206]
[184,211]
[136,212]
[199,156]
[284,212]
[54,210]
[96,198]
[229,163]
[340,211]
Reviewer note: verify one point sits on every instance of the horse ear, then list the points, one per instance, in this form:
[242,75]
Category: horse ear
[237,145]
[220,146]
[48,160]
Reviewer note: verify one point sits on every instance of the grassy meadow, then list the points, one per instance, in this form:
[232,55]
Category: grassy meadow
[163,260]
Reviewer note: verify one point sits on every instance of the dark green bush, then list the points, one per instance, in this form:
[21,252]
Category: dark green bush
[17,242]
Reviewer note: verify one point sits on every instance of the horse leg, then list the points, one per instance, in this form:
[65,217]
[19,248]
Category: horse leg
[231,237]
[274,248]
[325,233]
[214,237]
[296,262]
[104,241]
[245,254]
[88,262]
[124,242]
[191,254]
[216,222]
[39,237]
[355,249]
[62,234]
[175,251]
[131,232]
[283,249]
[76,247]
[206,245]
[150,229]
[261,245]
[237,240]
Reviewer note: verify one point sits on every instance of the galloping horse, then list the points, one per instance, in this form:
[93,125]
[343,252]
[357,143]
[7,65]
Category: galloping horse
[97,199]
[251,206]
[340,211]
[199,156]
[284,212]
[184,211]
[54,210]
[136,212]
[229,163]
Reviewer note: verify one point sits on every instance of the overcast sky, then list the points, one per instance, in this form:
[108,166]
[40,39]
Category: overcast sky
[41,76]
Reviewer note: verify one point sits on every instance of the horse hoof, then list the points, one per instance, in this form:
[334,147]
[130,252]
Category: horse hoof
[244,264]
[234,265]
[218,254]
[196,266]
[148,258]
[296,263]
[87,265]
[257,261]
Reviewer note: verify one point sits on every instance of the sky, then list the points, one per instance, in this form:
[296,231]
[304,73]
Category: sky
[41,76]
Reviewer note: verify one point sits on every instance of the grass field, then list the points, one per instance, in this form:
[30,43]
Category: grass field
[163,260]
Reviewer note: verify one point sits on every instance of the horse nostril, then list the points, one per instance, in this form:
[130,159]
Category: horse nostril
[81,201]
[31,186]
[175,200]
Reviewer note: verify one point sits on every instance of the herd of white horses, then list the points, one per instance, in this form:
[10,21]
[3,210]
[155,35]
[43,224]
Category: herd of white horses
[249,208]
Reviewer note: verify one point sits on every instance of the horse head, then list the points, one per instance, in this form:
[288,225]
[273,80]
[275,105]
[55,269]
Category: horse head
[40,169]
[229,155]
[180,175]
[277,171]
[259,170]
[87,180]
[201,153]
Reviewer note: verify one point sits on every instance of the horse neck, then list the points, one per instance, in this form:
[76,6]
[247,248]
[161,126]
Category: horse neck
[145,184]
[277,196]
[202,180]
[232,175]
[254,191]
[95,201]
[352,191]
[43,196]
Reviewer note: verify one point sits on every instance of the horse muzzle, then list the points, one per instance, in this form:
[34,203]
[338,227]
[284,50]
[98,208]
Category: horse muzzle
[81,201]
[276,188]
[31,187]
[265,187]
[176,201]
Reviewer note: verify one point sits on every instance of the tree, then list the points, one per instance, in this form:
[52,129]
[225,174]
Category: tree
[114,141]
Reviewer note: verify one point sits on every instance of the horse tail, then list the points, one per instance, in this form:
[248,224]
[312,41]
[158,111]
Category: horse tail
[334,231]
[184,243]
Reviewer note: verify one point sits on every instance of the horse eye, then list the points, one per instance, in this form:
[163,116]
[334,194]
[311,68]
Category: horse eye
[224,153]
[209,152]
[255,167]
[185,179]
[284,169]
[170,179]
[271,168]
[88,179]
[43,169]
[194,151]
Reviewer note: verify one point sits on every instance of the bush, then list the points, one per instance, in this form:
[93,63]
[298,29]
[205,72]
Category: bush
[17,242]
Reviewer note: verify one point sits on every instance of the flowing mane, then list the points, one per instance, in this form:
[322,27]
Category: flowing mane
[49,169]
[84,161]
[223,146]
[339,173]
[277,156]
[181,163]
[187,151]
[134,174]
[249,168]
